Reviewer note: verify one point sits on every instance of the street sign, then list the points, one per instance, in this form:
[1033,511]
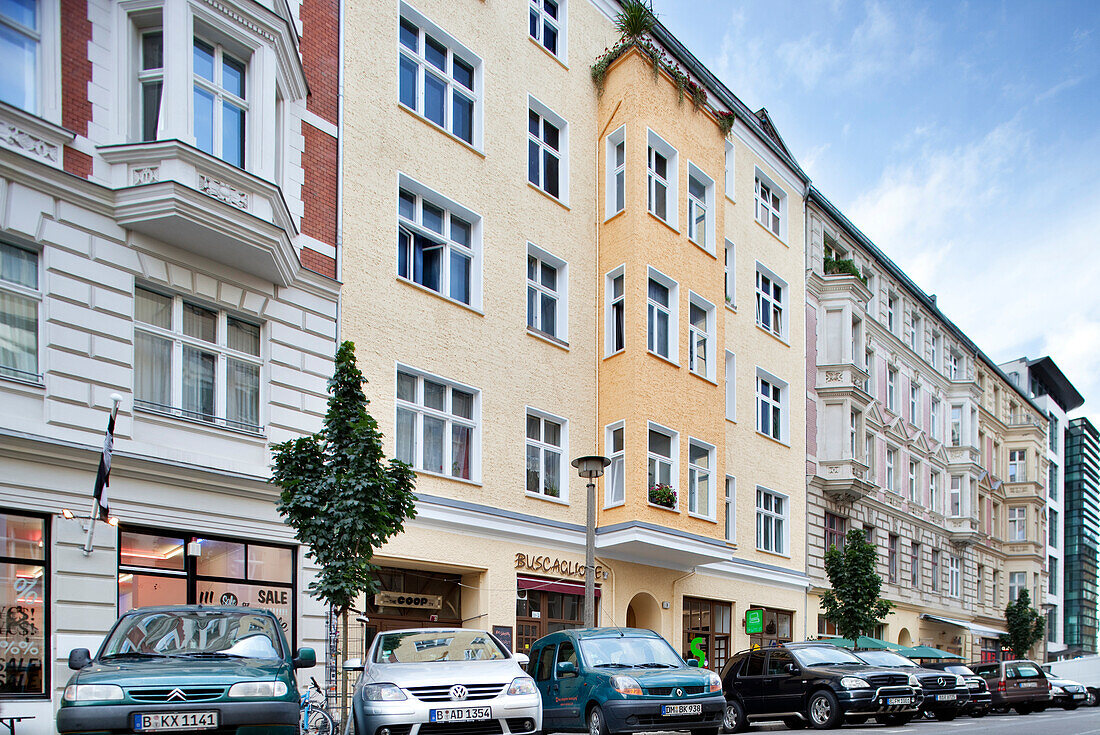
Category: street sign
[754,621]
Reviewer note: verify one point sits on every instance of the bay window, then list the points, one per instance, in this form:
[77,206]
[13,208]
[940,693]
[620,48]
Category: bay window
[615,183]
[437,425]
[151,83]
[955,500]
[661,179]
[1017,465]
[19,300]
[220,102]
[20,36]
[661,320]
[1017,523]
[437,77]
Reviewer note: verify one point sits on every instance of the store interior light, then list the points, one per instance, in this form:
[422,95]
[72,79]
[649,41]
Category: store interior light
[112,520]
[67,514]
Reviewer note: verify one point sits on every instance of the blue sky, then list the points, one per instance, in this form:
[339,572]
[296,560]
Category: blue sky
[962,138]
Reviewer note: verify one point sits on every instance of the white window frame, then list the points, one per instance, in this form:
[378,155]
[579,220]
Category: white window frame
[765,184]
[223,96]
[450,208]
[560,24]
[694,471]
[614,171]
[1017,581]
[420,410]
[1017,465]
[956,439]
[891,390]
[543,447]
[143,76]
[731,172]
[706,204]
[46,84]
[673,311]
[764,377]
[914,488]
[731,274]
[1017,523]
[560,294]
[34,296]
[891,313]
[765,516]
[673,461]
[935,411]
[953,365]
[616,471]
[731,386]
[915,332]
[455,49]
[955,496]
[767,302]
[891,470]
[611,301]
[934,358]
[708,336]
[954,576]
[936,571]
[914,404]
[730,505]
[562,153]
[934,491]
[671,182]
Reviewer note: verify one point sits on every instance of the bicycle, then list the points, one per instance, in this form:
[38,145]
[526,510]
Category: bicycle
[315,719]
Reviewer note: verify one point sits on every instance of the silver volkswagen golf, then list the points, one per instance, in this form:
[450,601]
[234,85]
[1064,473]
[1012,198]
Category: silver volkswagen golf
[443,681]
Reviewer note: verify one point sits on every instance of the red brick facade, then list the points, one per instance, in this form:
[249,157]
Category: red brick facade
[319,169]
[76,68]
[77,163]
[321,56]
[318,263]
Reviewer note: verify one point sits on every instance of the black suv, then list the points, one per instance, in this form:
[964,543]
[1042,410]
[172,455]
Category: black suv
[945,695]
[813,683]
[981,701]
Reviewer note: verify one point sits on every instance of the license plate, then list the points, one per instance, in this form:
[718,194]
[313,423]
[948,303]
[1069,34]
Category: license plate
[460,714]
[1027,684]
[175,721]
[898,700]
[1078,696]
[671,710]
[945,697]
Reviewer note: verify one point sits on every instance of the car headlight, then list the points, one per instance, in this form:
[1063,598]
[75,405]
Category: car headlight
[714,682]
[959,681]
[383,693]
[93,693]
[257,689]
[854,682]
[522,685]
[1057,690]
[626,685]
[914,681]
[973,684]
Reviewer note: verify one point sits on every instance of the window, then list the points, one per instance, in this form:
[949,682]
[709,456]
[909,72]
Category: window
[914,332]
[996,579]
[615,299]
[1052,529]
[701,337]
[547,293]
[1017,523]
[1052,575]
[771,300]
[437,425]
[1052,432]
[956,425]
[835,528]
[1017,465]
[700,208]
[935,427]
[891,310]
[935,570]
[20,36]
[661,309]
[953,366]
[778,625]
[700,485]
[24,596]
[1052,481]
[731,509]
[731,386]
[1017,581]
[663,450]
[438,244]
[935,351]
[546,456]
[438,77]
[19,299]
[151,82]
[914,495]
[771,401]
[770,205]
[892,389]
[868,367]
[711,621]
[731,171]
[891,463]
[615,484]
[195,362]
[934,492]
[914,404]
[220,102]
[547,150]
[869,453]
[731,274]
[979,584]
[954,576]
[662,179]
[771,521]
[914,564]
[892,558]
[547,24]
[615,185]
[853,433]
[955,501]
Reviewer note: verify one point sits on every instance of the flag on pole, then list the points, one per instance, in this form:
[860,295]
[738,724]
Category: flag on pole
[103,476]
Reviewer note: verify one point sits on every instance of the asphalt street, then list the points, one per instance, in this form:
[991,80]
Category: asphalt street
[1082,721]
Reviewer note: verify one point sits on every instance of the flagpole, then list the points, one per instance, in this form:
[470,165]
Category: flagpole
[115,400]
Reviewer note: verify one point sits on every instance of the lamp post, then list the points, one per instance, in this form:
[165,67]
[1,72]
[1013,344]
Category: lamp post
[590,467]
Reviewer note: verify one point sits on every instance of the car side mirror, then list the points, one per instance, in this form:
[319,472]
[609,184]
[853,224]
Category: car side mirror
[353,664]
[693,662]
[79,658]
[791,668]
[522,659]
[305,658]
[567,668]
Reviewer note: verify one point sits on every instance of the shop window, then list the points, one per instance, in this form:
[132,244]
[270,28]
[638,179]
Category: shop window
[708,620]
[442,593]
[24,591]
[545,606]
[777,629]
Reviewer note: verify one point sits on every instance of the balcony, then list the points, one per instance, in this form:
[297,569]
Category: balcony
[963,530]
[177,194]
[963,455]
[647,543]
[1024,490]
[32,136]
[843,380]
[844,480]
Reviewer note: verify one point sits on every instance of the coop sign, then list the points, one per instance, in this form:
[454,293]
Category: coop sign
[405,599]
[553,565]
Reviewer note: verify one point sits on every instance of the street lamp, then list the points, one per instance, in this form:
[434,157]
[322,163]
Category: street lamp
[590,467]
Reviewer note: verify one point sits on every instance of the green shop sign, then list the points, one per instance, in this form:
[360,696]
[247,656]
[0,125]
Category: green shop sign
[754,621]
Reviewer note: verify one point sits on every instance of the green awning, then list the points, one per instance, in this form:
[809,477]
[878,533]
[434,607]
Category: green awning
[929,652]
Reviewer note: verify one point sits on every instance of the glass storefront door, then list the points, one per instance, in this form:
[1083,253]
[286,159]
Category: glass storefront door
[24,595]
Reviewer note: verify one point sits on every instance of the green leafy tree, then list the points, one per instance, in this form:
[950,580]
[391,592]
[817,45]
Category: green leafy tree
[1026,626]
[853,604]
[341,496]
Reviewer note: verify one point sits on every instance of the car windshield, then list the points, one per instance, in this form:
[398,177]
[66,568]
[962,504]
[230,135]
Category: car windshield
[824,656]
[1026,670]
[622,652]
[426,646]
[886,658]
[212,633]
[964,670]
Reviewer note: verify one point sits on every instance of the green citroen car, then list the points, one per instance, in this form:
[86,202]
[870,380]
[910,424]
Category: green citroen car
[619,680]
[186,668]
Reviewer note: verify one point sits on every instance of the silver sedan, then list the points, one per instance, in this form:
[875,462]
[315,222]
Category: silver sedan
[443,681]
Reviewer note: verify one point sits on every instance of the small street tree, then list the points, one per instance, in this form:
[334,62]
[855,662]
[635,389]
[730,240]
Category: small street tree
[853,604]
[1026,626]
[341,496]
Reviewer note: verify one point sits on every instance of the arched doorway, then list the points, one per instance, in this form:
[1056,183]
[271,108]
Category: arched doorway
[643,612]
[904,638]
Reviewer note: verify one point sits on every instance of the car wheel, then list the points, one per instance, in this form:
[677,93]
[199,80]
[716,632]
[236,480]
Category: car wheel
[597,725]
[1022,709]
[794,723]
[734,718]
[894,720]
[822,710]
[945,715]
[1091,697]
[856,719]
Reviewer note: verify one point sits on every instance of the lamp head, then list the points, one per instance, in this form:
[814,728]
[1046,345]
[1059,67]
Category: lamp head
[67,514]
[591,466]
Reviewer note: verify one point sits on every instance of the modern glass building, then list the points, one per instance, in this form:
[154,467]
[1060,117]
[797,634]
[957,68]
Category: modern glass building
[1082,519]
